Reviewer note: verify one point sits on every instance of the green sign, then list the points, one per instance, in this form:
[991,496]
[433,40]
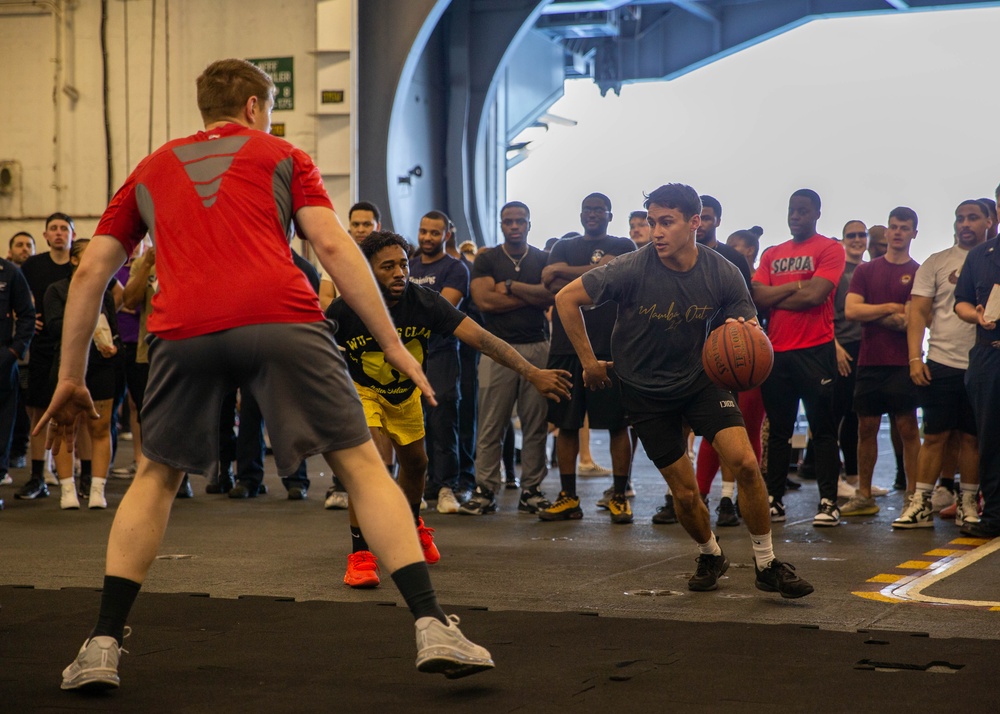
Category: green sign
[279,69]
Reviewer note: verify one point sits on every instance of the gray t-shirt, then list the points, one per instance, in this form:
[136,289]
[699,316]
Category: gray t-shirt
[664,316]
[846,331]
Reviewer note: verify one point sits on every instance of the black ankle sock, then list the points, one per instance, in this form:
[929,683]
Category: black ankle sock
[414,583]
[85,467]
[358,542]
[621,484]
[116,603]
[415,507]
[948,483]
[900,471]
[567,482]
[37,468]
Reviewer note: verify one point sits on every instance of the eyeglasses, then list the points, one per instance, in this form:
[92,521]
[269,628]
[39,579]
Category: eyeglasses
[593,209]
[859,234]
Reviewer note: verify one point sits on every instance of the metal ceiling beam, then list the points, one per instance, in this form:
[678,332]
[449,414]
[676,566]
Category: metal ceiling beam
[899,4]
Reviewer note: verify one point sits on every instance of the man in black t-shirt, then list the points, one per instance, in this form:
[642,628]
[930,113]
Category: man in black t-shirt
[390,399]
[41,271]
[670,294]
[507,287]
[570,258]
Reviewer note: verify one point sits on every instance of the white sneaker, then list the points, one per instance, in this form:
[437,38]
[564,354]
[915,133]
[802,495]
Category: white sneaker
[335,499]
[917,513]
[443,649]
[447,503]
[941,498]
[51,478]
[846,490]
[968,509]
[95,667]
[879,491]
[6,480]
[97,499]
[828,515]
[592,469]
[68,500]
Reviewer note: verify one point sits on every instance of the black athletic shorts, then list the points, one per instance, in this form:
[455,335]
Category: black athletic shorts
[659,423]
[946,402]
[603,407]
[40,385]
[884,390]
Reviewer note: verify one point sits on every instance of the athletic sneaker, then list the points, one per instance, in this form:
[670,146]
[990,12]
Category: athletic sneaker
[481,503]
[967,510]
[727,513]
[666,514]
[859,506]
[621,509]
[426,536]
[533,501]
[566,508]
[828,514]
[362,570]
[846,490]
[335,499]
[95,667]
[918,512]
[602,502]
[592,469]
[6,480]
[780,577]
[710,569]
[777,510]
[443,649]
[879,491]
[446,501]
[941,498]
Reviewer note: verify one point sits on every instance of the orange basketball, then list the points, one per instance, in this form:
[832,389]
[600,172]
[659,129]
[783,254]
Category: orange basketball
[737,356]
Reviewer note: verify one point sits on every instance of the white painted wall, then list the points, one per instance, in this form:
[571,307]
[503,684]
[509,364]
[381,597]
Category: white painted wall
[65,144]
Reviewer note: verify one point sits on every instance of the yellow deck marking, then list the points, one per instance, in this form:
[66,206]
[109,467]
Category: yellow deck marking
[942,552]
[917,564]
[885,578]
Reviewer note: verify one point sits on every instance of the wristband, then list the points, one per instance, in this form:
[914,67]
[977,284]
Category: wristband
[916,359]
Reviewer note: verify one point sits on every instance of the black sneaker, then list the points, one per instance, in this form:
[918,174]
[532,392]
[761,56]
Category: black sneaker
[979,530]
[710,569]
[792,485]
[510,482]
[481,503]
[780,578]
[298,493]
[34,488]
[727,513]
[900,483]
[83,486]
[533,501]
[665,514]
[185,490]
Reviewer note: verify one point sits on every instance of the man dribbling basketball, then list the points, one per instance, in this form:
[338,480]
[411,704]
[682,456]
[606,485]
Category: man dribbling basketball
[669,294]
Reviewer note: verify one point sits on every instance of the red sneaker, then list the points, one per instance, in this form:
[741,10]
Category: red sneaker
[431,552]
[948,511]
[362,570]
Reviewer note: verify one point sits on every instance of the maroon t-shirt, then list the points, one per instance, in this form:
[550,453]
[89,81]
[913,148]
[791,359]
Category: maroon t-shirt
[880,282]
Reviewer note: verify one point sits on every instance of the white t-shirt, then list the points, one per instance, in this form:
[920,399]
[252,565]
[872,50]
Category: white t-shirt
[950,338]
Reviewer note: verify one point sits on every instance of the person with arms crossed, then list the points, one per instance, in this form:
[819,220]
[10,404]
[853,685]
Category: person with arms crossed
[877,298]
[230,333]
[670,295]
[941,380]
[795,281]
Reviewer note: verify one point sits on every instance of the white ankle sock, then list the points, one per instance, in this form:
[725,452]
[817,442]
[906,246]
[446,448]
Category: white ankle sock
[763,551]
[728,489]
[711,547]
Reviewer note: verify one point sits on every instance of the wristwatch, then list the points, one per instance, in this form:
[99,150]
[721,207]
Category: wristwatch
[507,282]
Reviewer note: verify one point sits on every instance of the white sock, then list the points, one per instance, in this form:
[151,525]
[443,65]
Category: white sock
[763,551]
[711,547]
[969,487]
[728,489]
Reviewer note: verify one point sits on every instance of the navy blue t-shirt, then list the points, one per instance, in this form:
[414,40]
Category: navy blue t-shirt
[446,272]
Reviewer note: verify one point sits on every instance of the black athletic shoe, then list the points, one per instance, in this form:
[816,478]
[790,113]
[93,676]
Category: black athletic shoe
[221,483]
[665,514]
[245,489]
[34,488]
[185,490]
[298,493]
[482,502]
[780,578]
[900,483]
[710,569]
[979,530]
[792,485]
[727,513]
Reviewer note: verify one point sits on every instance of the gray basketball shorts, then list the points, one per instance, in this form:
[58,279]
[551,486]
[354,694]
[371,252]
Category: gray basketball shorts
[293,370]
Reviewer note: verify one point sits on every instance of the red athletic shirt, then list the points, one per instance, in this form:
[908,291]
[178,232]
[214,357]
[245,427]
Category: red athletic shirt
[218,206]
[789,262]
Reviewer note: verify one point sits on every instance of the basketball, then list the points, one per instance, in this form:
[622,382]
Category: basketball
[737,356]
